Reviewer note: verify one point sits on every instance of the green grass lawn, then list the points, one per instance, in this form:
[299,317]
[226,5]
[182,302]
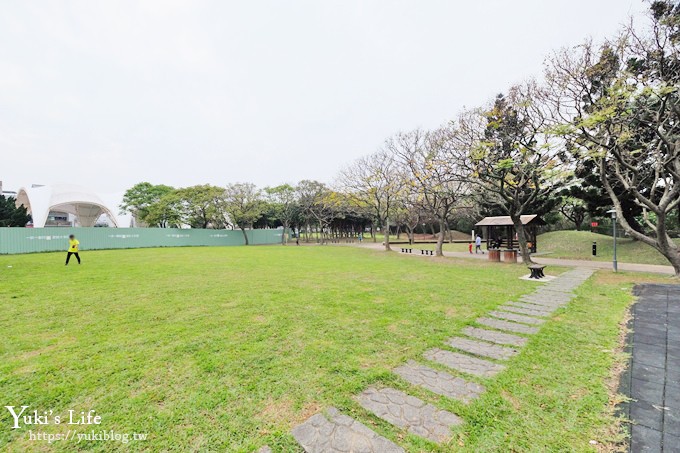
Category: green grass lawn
[578,245]
[226,349]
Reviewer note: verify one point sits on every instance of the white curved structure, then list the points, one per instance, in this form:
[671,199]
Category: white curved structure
[84,204]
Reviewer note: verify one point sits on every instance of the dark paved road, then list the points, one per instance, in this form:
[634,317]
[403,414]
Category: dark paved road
[653,377]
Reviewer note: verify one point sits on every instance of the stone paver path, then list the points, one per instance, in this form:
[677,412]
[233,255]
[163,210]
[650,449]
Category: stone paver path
[525,311]
[515,317]
[464,363]
[335,432]
[652,380]
[409,412]
[544,301]
[495,336]
[537,304]
[439,382]
[481,348]
[529,306]
[507,325]
[340,433]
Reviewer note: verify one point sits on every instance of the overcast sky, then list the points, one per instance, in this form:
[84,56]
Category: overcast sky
[111,93]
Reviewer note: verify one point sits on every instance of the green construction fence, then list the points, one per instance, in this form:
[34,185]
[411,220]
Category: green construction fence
[32,240]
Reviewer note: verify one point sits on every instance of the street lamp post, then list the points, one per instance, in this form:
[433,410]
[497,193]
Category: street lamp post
[613,213]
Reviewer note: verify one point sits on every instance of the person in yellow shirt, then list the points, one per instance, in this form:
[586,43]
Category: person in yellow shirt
[73,244]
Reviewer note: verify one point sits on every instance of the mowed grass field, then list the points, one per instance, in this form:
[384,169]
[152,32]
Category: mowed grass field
[226,349]
[577,245]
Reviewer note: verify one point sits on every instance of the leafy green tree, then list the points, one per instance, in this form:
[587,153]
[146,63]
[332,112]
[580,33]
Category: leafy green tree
[203,206]
[512,158]
[621,109]
[168,212]
[12,215]
[573,209]
[140,197]
[284,203]
[243,203]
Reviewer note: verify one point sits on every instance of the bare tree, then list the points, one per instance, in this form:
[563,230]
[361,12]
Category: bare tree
[375,181]
[409,214]
[433,171]
[316,204]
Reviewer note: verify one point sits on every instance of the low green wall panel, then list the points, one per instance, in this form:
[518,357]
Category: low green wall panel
[31,240]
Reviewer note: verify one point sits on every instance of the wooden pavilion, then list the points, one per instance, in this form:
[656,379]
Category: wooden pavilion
[500,231]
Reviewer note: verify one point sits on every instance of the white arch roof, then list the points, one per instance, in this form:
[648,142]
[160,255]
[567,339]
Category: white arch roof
[73,199]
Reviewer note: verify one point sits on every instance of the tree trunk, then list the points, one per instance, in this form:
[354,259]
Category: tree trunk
[522,240]
[439,250]
[387,235]
[373,235]
[409,232]
[665,245]
[398,231]
[245,236]
[674,258]
[284,239]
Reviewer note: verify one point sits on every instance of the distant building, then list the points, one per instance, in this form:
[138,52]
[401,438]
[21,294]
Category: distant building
[7,193]
[69,205]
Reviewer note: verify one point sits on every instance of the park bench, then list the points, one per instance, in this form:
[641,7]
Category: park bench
[406,250]
[427,252]
[536,271]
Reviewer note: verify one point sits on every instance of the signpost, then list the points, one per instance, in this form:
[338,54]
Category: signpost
[613,213]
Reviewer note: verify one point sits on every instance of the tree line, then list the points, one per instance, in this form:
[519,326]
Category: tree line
[599,131]
[310,207]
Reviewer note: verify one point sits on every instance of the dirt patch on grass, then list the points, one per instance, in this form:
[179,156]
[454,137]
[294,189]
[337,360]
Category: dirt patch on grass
[282,412]
[451,312]
[36,352]
[396,326]
[514,402]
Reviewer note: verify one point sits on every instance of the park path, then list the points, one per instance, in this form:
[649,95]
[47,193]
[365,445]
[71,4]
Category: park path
[630,267]
[469,360]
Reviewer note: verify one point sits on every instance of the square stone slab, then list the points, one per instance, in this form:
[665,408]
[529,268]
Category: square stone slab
[481,348]
[507,325]
[528,306]
[439,382]
[464,363]
[409,412]
[524,311]
[517,318]
[495,336]
[335,433]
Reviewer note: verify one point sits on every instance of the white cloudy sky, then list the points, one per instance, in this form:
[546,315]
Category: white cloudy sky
[110,93]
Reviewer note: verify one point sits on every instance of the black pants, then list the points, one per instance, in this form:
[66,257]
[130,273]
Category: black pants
[68,256]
